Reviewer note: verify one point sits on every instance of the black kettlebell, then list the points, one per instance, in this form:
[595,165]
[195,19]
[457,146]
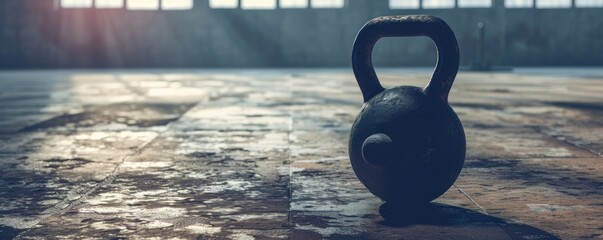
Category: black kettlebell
[407,145]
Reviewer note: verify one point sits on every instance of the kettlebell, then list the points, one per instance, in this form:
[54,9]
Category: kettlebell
[407,145]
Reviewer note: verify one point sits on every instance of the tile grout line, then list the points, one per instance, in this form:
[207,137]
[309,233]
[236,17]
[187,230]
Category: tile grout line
[543,130]
[289,132]
[66,205]
[498,223]
[290,170]
[471,199]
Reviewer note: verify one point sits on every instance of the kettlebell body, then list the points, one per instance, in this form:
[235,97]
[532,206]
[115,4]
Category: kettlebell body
[407,145]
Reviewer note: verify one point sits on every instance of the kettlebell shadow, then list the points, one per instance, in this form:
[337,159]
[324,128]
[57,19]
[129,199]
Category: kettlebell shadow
[462,222]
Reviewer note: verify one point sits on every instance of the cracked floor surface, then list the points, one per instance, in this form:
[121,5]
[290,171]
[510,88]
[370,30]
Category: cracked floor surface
[262,154]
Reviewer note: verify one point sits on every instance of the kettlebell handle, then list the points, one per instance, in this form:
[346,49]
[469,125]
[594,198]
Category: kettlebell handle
[403,26]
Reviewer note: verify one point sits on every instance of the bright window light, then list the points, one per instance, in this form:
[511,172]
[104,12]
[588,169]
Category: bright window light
[519,3]
[109,3]
[223,3]
[76,3]
[553,3]
[258,4]
[143,4]
[293,3]
[176,4]
[438,3]
[475,3]
[328,3]
[404,4]
[588,3]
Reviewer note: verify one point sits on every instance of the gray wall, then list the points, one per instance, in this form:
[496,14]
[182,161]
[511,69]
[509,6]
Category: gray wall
[36,34]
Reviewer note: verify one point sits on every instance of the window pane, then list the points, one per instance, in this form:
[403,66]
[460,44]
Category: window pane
[76,3]
[258,4]
[553,3]
[589,3]
[475,3]
[223,3]
[143,4]
[293,3]
[403,4]
[177,4]
[519,3]
[109,3]
[438,3]
[328,3]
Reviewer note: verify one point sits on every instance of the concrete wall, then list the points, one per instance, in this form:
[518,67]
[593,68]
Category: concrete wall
[37,34]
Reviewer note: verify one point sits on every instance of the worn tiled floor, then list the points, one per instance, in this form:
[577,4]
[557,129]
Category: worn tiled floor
[246,154]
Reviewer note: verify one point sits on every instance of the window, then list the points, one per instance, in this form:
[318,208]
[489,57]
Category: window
[553,3]
[109,3]
[176,4]
[76,3]
[404,4]
[223,3]
[328,3]
[589,3]
[475,3]
[438,3]
[519,3]
[143,4]
[293,3]
[258,4]
[131,4]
